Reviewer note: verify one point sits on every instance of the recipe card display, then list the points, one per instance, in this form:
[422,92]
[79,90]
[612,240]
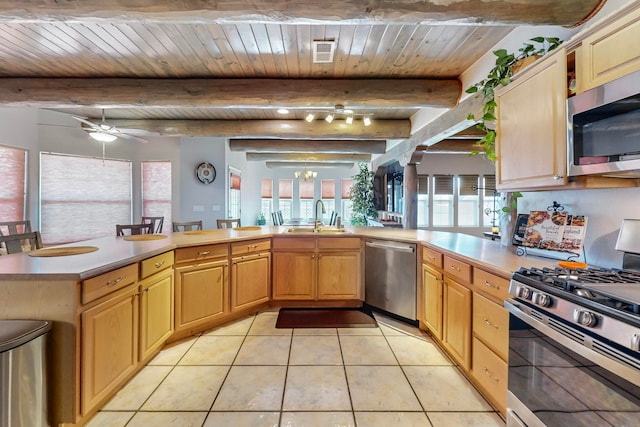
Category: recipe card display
[554,231]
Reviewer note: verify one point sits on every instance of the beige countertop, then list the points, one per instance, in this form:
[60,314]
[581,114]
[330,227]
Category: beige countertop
[115,252]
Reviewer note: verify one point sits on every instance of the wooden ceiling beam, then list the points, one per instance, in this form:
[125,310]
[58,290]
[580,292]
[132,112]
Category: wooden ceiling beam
[474,12]
[309,165]
[305,94]
[451,146]
[308,157]
[311,145]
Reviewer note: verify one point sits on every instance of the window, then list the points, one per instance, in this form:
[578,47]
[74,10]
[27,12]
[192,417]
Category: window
[347,204]
[234,193]
[490,202]
[468,201]
[82,198]
[156,191]
[285,194]
[423,200]
[306,190]
[13,167]
[328,196]
[266,197]
[443,201]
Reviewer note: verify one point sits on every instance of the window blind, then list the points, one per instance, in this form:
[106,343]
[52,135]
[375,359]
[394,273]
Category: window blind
[266,188]
[306,189]
[285,189]
[489,184]
[443,184]
[156,191]
[466,185]
[423,184]
[82,197]
[347,183]
[328,189]
[13,162]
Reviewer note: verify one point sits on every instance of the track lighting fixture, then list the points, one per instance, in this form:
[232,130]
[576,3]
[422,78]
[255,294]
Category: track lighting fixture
[366,121]
[310,117]
[329,117]
[339,110]
[349,120]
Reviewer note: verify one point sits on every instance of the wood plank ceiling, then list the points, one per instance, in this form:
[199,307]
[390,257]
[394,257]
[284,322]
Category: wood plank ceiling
[223,68]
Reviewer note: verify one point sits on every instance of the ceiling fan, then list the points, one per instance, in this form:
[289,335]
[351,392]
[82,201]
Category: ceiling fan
[105,132]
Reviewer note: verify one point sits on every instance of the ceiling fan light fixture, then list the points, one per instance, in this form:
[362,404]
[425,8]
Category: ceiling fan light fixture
[329,118]
[310,117]
[102,136]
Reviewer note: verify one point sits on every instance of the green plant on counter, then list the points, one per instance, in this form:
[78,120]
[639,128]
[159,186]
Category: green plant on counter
[362,197]
[261,219]
[500,75]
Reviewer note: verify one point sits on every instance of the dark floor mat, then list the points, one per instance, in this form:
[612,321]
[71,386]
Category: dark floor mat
[325,318]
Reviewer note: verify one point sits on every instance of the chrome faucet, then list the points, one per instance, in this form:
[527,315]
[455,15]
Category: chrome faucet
[316,223]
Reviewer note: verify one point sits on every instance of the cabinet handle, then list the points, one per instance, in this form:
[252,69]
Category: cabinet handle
[453,267]
[145,290]
[488,323]
[203,253]
[252,247]
[431,257]
[113,282]
[159,264]
[557,177]
[491,285]
[137,294]
[490,375]
[313,256]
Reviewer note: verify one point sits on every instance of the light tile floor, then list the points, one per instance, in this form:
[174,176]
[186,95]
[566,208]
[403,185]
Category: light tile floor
[248,373]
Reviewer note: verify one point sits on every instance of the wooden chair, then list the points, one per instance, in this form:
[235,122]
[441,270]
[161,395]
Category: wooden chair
[121,230]
[275,219]
[186,226]
[228,223]
[157,222]
[15,227]
[280,217]
[334,217]
[16,243]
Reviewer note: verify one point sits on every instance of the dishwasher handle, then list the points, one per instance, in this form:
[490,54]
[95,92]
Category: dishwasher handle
[391,246]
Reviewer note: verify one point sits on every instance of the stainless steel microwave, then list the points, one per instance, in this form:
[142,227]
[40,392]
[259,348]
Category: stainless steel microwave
[603,132]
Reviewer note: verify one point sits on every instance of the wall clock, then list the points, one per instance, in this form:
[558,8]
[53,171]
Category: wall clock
[206,173]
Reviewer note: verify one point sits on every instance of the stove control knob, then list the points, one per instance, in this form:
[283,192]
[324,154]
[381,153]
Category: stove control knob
[585,318]
[543,300]
[524,293]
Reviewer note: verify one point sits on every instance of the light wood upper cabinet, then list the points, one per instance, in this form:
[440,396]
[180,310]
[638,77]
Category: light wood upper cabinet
[432,294]
[531,127]
[109,346]
[610,53]
[156,311]
[457,322]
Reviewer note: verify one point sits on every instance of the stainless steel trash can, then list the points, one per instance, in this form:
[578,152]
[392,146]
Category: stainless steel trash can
[23,391]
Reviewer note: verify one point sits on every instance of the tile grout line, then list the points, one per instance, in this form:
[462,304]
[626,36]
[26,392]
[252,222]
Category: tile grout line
[346,379]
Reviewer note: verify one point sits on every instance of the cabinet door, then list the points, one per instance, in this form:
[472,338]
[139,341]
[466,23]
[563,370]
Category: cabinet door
[156,312]
[457,322]
[201,293]
[109,346]
[294,275]
[432,300]
[339,275]
[250,281]
[531,127]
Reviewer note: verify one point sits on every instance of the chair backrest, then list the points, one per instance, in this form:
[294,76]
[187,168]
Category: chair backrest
[280,218]
[186,225]
[15,227]
[228,223]
[157,222]
[275,219]
[334,217]
[16,243]
[129,229]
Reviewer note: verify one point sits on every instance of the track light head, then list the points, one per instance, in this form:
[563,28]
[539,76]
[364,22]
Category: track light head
[310,117]
[366,121]
[329,118]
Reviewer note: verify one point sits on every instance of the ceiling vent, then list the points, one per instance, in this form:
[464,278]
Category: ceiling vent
[323,50]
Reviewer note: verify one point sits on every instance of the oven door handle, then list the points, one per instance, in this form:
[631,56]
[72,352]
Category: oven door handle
[618,368]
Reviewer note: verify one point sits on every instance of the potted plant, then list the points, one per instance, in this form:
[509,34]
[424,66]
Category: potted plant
[261,219]
[361,196]
[506,65]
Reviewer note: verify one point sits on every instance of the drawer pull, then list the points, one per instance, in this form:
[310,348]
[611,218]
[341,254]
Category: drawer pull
[203,253]
[491,285]
[490,375]
[159,264]
[488,323]
[431,257]
[252,247]
[453,267]
[113,282]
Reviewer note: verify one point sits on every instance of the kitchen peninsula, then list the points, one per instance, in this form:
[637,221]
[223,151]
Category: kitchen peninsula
[122,302]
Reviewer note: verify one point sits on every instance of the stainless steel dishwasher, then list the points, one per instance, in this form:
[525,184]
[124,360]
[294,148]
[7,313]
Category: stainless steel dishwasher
[390,277]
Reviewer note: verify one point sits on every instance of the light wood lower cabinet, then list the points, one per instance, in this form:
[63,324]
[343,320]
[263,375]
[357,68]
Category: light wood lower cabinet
[432,294]
[109,346]
[457,322]
[490,373]
[294,275]
[156,312]
[250,280]
[339,275]
[491,325]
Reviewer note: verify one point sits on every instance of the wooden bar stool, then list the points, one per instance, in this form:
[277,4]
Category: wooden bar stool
[228,223]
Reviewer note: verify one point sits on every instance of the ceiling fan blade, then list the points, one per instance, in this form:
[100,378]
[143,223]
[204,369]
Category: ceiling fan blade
[130,137]
[87,122]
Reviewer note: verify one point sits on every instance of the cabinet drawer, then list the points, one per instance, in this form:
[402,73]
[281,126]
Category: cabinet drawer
[199,253]
[491,374]
[106,283]
[432,257]
[339,243]
[458,269]
[155,264]
[491,284]
[294,243]
[491,325]
[249,246]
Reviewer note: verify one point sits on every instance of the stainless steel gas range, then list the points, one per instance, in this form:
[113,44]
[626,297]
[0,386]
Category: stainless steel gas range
[574,347]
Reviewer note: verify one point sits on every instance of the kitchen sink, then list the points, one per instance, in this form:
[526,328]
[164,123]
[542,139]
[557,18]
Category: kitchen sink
[308,230]
[300,230]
